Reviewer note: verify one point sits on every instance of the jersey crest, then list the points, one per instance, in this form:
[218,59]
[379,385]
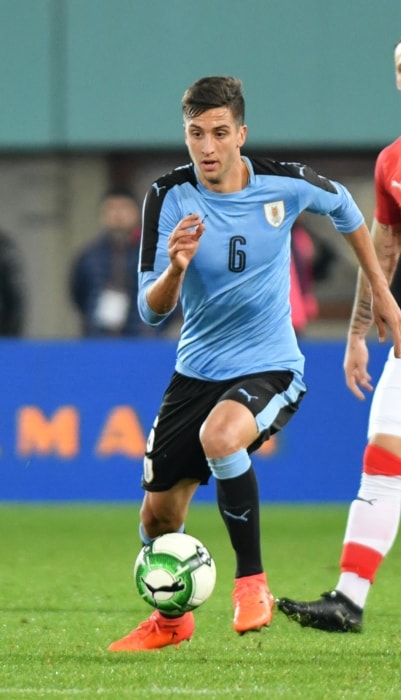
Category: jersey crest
[274,212]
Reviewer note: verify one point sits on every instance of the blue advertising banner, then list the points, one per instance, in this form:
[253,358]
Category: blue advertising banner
[74,417]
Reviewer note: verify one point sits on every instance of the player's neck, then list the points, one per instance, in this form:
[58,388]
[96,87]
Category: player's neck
[239,178]
[234,181]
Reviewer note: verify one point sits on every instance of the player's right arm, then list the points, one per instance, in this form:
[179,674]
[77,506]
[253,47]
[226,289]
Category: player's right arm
[387,240]
[162,295]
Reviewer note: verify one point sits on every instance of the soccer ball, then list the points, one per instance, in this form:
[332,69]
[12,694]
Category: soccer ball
[175,573]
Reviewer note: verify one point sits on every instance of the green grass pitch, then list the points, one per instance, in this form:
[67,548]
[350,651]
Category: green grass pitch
[67,592]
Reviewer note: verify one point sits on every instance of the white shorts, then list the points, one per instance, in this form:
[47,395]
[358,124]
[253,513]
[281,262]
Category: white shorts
[385,411]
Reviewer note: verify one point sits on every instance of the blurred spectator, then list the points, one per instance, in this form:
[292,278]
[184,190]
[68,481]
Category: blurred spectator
[12,290]
[103,279]
[304,305]
[309,263]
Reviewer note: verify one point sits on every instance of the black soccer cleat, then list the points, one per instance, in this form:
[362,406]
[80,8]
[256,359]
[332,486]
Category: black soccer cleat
[333,612]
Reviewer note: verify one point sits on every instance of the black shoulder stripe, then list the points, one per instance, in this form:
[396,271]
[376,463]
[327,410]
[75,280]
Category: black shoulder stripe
[265,166]
[152,208]
[185,173]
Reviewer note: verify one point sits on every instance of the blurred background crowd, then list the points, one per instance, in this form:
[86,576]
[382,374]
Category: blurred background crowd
[90,116]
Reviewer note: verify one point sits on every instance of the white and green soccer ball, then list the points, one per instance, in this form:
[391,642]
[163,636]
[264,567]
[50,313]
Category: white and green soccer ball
[175,573]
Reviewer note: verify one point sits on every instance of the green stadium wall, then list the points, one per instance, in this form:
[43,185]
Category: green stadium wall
[80,74]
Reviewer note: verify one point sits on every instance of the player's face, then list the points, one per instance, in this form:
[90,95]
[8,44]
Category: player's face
[397,62]
[214,140]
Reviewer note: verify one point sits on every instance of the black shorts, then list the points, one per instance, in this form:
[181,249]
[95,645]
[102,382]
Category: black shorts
[173,450]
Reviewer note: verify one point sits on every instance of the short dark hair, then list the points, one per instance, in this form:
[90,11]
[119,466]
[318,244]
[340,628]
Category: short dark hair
[214,91]
[118,191]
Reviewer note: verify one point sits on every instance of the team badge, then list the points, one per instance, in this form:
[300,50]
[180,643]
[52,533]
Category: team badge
[275,212]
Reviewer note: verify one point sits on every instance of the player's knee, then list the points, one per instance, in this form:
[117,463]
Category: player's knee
[218,438]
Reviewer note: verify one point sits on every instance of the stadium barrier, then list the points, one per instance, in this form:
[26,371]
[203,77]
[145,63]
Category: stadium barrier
[74,417]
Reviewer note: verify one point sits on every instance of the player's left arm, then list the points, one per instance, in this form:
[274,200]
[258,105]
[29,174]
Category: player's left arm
[334,199]
[377,259]
[387,241]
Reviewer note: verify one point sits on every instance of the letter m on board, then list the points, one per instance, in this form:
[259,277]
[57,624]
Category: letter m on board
[37,434]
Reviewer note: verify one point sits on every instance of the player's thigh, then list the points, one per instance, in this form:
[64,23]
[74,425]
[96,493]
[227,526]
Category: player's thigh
[174,452]
[271,397]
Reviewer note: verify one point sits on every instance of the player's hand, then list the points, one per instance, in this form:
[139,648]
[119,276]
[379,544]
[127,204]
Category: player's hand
[184,241]
[355,366]
[386,312]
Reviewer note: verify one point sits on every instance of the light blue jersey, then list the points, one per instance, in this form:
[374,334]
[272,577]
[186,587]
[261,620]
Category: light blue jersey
[235,294]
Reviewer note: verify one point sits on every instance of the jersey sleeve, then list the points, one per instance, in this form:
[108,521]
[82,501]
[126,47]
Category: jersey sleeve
[337,204]
[161,214]
[387,210]
[316,193]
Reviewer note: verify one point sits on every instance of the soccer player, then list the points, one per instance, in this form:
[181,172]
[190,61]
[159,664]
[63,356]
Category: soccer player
[216,233]
[374,515]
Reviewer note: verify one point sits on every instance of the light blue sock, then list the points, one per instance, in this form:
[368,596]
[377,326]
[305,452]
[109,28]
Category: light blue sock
[230,466]
[145,539]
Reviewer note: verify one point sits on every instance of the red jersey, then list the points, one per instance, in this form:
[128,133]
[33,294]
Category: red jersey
[388,184]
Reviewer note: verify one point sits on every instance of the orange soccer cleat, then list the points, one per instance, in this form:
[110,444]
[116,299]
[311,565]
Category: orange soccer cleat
[157,632]
[253,603]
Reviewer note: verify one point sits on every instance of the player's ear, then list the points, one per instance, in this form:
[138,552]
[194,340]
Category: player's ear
[242,134]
